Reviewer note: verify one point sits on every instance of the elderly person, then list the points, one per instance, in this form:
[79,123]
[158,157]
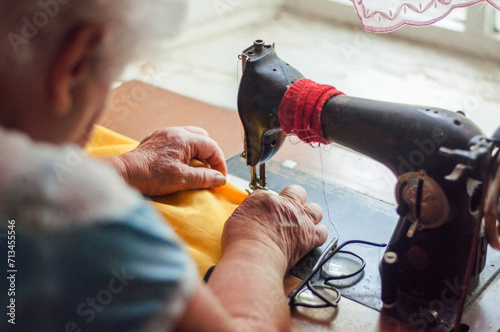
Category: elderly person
[87,251]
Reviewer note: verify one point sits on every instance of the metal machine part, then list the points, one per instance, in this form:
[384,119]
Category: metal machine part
[263,84]
[492,206]
[442,160]
[434,234]
[425,201]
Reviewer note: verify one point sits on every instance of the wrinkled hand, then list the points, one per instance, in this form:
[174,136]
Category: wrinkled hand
[160,164]
[283,223]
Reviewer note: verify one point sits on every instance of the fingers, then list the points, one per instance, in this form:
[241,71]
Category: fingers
[296,193]
[196,130]
[299,194]
[321,235]
[203,178]
[314,211]
[207,150]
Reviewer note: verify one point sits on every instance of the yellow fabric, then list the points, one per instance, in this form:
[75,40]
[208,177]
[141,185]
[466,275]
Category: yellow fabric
[196,216]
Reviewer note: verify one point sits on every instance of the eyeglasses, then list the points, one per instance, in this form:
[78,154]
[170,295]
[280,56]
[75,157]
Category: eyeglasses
[337,266]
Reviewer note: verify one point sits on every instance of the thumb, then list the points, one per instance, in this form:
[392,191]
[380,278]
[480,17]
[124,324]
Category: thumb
[201,178]
[321,234]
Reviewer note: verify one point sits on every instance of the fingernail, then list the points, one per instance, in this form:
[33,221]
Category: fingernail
[219,180]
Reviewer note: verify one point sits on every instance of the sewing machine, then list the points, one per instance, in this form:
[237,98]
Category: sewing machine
[447,192]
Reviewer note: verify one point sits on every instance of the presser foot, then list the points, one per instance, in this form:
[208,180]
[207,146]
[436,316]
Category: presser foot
[258,179]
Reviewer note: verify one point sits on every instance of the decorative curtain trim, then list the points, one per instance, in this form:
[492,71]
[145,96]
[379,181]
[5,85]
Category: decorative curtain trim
[389,15]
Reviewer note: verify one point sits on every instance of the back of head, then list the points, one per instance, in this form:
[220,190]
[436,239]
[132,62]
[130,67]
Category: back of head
[34,28]
[58,59]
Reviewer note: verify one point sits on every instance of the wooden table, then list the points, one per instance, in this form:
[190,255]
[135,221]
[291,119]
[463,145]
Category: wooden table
[137,109]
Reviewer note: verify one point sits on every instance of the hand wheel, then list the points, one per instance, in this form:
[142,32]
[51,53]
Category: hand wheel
[491,208]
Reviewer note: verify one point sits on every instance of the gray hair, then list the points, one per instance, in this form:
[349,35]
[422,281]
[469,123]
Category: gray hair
[29,27]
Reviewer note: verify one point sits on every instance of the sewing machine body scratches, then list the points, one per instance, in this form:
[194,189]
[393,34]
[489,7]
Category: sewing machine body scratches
[447,169]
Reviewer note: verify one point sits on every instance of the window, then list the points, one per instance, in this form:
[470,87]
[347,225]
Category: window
[474,30]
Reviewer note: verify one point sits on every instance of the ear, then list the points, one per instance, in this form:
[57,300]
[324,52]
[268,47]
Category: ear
[73,65]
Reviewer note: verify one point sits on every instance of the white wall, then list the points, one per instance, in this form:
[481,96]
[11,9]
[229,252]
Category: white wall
[208,18]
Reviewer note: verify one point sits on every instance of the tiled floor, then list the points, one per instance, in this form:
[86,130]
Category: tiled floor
[360,64]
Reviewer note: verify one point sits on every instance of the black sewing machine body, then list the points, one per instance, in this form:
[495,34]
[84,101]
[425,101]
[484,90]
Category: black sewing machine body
[408,139]
[440,158]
